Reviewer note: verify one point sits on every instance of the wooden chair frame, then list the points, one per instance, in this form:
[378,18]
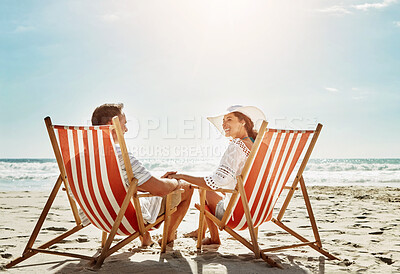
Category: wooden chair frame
[107,238]
[240,192]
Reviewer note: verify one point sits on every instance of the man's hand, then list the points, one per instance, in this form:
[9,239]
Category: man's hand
[185,186]
[176,176]
[166,175]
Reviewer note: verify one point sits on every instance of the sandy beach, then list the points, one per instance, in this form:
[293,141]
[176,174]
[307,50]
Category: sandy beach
[360,225]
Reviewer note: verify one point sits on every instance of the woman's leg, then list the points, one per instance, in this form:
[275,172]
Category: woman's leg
[195,233]
[212,199]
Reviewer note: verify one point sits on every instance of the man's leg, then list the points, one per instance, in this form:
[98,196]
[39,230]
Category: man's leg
[177,216]
[146,239]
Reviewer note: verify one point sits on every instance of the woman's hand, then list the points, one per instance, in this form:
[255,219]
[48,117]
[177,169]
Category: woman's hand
[175,176]
[172,175]
[166,175]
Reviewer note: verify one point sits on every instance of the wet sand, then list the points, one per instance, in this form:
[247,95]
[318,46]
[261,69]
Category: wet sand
[360,225]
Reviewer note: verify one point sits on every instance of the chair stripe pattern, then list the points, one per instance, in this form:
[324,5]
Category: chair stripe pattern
[94,176]
[275,159]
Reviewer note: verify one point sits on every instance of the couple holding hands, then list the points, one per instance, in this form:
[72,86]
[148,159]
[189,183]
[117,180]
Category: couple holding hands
[237,124]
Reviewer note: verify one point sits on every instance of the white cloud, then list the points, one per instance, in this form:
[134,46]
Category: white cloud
[24,28]
[332,89]
[380,5]
[110,17]
[397,23]
[336,10]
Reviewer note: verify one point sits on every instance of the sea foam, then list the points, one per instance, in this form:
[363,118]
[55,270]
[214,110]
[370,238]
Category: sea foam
[41,174]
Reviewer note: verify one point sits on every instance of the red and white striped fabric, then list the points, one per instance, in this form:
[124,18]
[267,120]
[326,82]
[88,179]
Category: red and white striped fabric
[269,172]
[94,176]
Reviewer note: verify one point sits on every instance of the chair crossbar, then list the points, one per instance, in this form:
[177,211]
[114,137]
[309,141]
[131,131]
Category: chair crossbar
[289,187]
[212,217]
[82,127]
[301,238]
[289,131]
[130,238]
[287,246]
[28,252]
[216,190]
[67,254]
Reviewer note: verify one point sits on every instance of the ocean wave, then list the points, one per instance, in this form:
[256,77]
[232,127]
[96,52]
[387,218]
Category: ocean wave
[28,170]
[32,173]
[351,166]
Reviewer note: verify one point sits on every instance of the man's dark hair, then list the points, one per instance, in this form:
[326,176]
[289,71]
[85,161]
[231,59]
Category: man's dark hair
[104,113]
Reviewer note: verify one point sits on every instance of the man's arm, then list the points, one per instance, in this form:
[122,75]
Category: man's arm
[159,187]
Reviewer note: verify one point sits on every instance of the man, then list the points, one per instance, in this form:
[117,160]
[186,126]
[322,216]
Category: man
[151,206]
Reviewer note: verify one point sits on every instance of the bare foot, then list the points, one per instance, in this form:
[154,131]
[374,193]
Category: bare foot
[146,240]
[209,241]
[170,243]
[192,234]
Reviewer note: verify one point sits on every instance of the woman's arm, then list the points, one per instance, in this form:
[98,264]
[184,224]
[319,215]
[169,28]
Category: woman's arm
[198,181]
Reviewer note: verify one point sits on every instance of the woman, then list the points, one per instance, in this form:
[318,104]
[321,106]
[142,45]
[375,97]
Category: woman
[238,125]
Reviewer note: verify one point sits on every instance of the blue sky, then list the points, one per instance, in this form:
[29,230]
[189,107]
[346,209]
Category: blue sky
[301,62]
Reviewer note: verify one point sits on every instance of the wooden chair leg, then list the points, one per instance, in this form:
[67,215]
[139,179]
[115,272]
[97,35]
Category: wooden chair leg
[201,230]
[103,238]
[27,252]
[310,212]
[31,252]
[43,215]
[301,238]
[167,221]
[246,209]
[251,247]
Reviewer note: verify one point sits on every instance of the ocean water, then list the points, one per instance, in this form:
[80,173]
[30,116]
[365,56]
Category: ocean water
[41,174]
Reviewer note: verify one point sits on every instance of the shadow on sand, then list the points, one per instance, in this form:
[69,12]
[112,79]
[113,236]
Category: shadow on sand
[208,261]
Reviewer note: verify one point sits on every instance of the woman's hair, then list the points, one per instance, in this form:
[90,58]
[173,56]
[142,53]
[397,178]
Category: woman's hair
[249,125]
[104,113]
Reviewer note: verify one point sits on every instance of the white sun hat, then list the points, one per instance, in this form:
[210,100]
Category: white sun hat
[255,114]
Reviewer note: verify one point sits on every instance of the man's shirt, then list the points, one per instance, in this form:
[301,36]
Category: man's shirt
[150,205]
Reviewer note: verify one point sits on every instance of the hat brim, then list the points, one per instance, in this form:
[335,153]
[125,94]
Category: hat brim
[255,114]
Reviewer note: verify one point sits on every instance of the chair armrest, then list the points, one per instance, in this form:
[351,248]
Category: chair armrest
[151,195]
[177,191]
[216,190]
[289,187]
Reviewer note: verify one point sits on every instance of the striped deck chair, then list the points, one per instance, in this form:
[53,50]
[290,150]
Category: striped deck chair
[91,175]
[272,160]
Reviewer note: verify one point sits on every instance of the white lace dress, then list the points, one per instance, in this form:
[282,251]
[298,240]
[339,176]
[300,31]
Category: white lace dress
[229,168]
